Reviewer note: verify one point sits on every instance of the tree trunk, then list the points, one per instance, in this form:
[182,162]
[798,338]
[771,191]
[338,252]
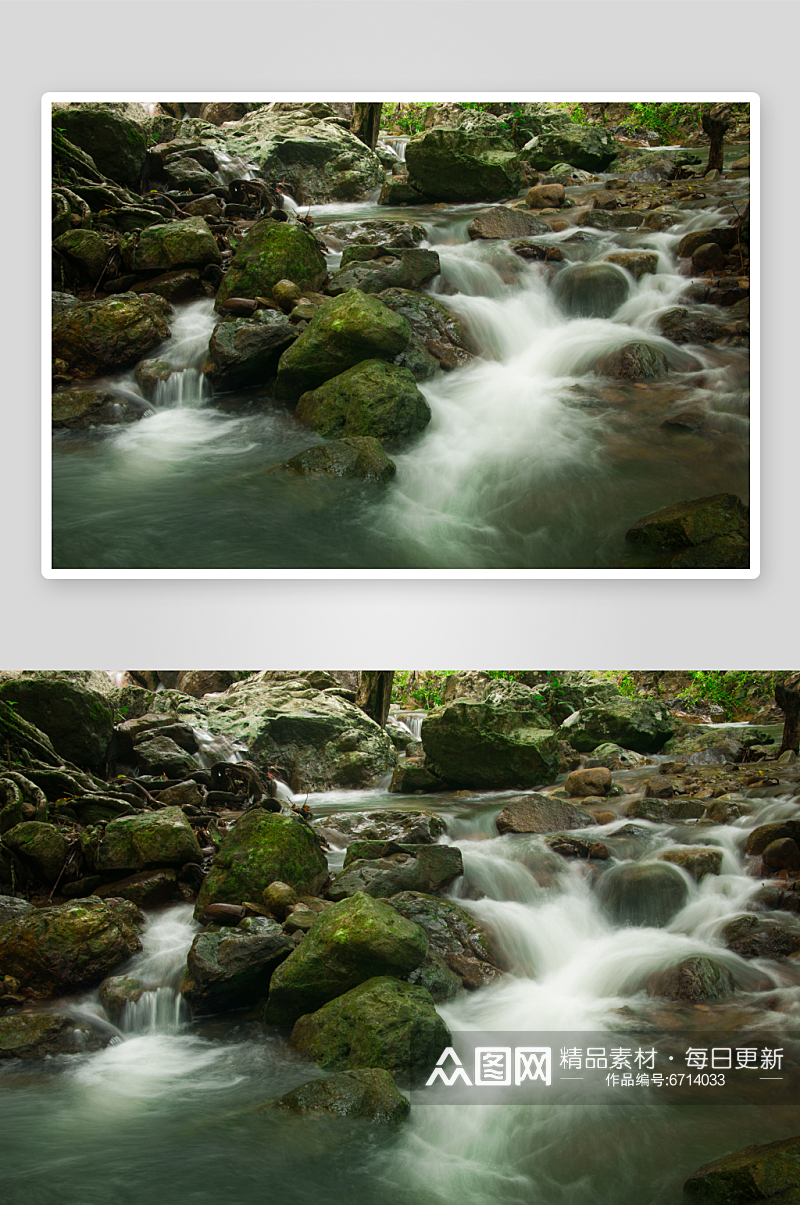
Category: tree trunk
[715,124]
[366,123]
[787,696]
[375,694]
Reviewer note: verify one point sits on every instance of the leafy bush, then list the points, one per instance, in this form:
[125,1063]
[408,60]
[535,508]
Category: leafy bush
[734,690]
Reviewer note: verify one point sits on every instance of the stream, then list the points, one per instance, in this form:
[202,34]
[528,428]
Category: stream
[167,1110]
[530,461]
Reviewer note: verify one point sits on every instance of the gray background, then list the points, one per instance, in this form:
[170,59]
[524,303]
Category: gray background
[422,46]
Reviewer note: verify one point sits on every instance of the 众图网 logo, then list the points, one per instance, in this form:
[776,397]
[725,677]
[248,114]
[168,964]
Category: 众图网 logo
[494,1066]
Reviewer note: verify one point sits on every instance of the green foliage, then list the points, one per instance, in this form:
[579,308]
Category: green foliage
[405,117]
[419,688]
[669,118]
[622,679]
[734,691]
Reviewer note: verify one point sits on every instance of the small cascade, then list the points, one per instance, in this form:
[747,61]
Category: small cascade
[214,748]
[412,720]
[233,167]
[161,1010]
[188,387]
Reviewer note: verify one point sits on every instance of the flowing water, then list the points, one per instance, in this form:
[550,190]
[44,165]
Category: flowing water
[530,460]
[168,1109]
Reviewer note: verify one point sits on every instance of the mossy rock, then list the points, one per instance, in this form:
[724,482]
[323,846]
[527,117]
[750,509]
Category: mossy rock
[372,398]
[643,893]
[373,269]
[78,720]
[369,1094]
[93,337]
[344,331]
[168,245]
[260,848]
[381,1023]
[39,1035]
[269,252]
[689,524]
[117,144]
[163,838]
[697,861]
[695,980]
[463,165]
[86,250]
[41,845]
[480,745]
[591,290]
[639,724]
[232,968]
[748,1175]
[461,953]
[246,353]
[354,940]
[360,457]
[426,868]
[634,362]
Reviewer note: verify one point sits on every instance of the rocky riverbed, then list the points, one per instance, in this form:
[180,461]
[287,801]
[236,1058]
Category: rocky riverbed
[345,359]
[240,889]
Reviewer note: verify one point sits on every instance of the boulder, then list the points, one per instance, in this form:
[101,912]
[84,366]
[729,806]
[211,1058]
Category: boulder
[85,250]
[557,139]
[361,458]
[695,980]
[382,869]
[638,263]
[540,814]
[260,848]
[593,290]
[369,1094]
[68,948]
[783,854]
[765,834]
[483,745]
[178,285]
[184,174]
[546,196]
[698,861]
[411,778]
[381,1023]
[372,398]
[12,907]
[148,889]
[751,1174]
[116,142]
[117,992]
[80,409]
[373,269]
[412,828]
[461,953]
[163,838]
[41,846]
[639,724]
[691,524]
[755,937]
[344,332]
[503,222]
[724,236]
[664,811]
[708,255]
[40,1035]
[433,328]
[621,219]
[183,244]
[269,252]
[374,233]
[246,352]
[94,337]
[160,754]
[634,362]
[232,969]
[463,165]
[78,720]
[583,783]
[647,894]
[351,942]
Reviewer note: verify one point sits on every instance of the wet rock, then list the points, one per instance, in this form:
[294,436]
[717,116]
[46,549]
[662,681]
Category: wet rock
[411,778]
[351,942]
[160,754]
[183,794]
[383,869]
[718,526]
[116,142]
[381,1023]
[619,219]
[411,828]
[576,847]
[41,847]
[12,907]
[638,263]
[117,992]
[369,1094]
[432,326]
[373,233]
[695,980]
[782,854]
[539,814]
[200,682]
[594,781]
[184,174]
[78,720]
[460,951]
[708,255]
[373,269]
[232,969]
[722,236]
[545,196]
[370,399]
[85,250]
[765,834]
[260,848]
[147,890]
[345,331]
[287,294]
[503,222]
[750,1174]
[464,165]
[592,290]
[149,373]
[559,140]
[246,352]
[163,247]
[93,337]
[279,897]
[272,252]
[754,937]
[633,362]
[495,745]
[664,811]
[643,893]
[224,914]
[178,285]
[681,325]
[697,861]
[37,1035]
[639,724]
[163,838]
[67,948]
[360,457]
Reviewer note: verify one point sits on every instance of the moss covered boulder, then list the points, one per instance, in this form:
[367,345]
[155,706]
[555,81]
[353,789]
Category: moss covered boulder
[463,165]
[383,869]
[41,847]
[354,940]
[752,1174]
[381,1023]
[85,250]
[433,329]
[233,968]
[698,861]
[116,141]
[461,952]
[634,362]
[260,848]
[269,252]
[691,524]
[69,947]
[37,1035]
[78,720]
[643,893]
[538,814]
[80,409]
[557,139]
[695,980]
[185,244]
[591,290]
[162,838]
[246,352]
[483,745]
[93,337]
[159,753]
[372,398]
[504,222]
[344,331]
[361,458]
[369,1094]
[639,724]
[373,269]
